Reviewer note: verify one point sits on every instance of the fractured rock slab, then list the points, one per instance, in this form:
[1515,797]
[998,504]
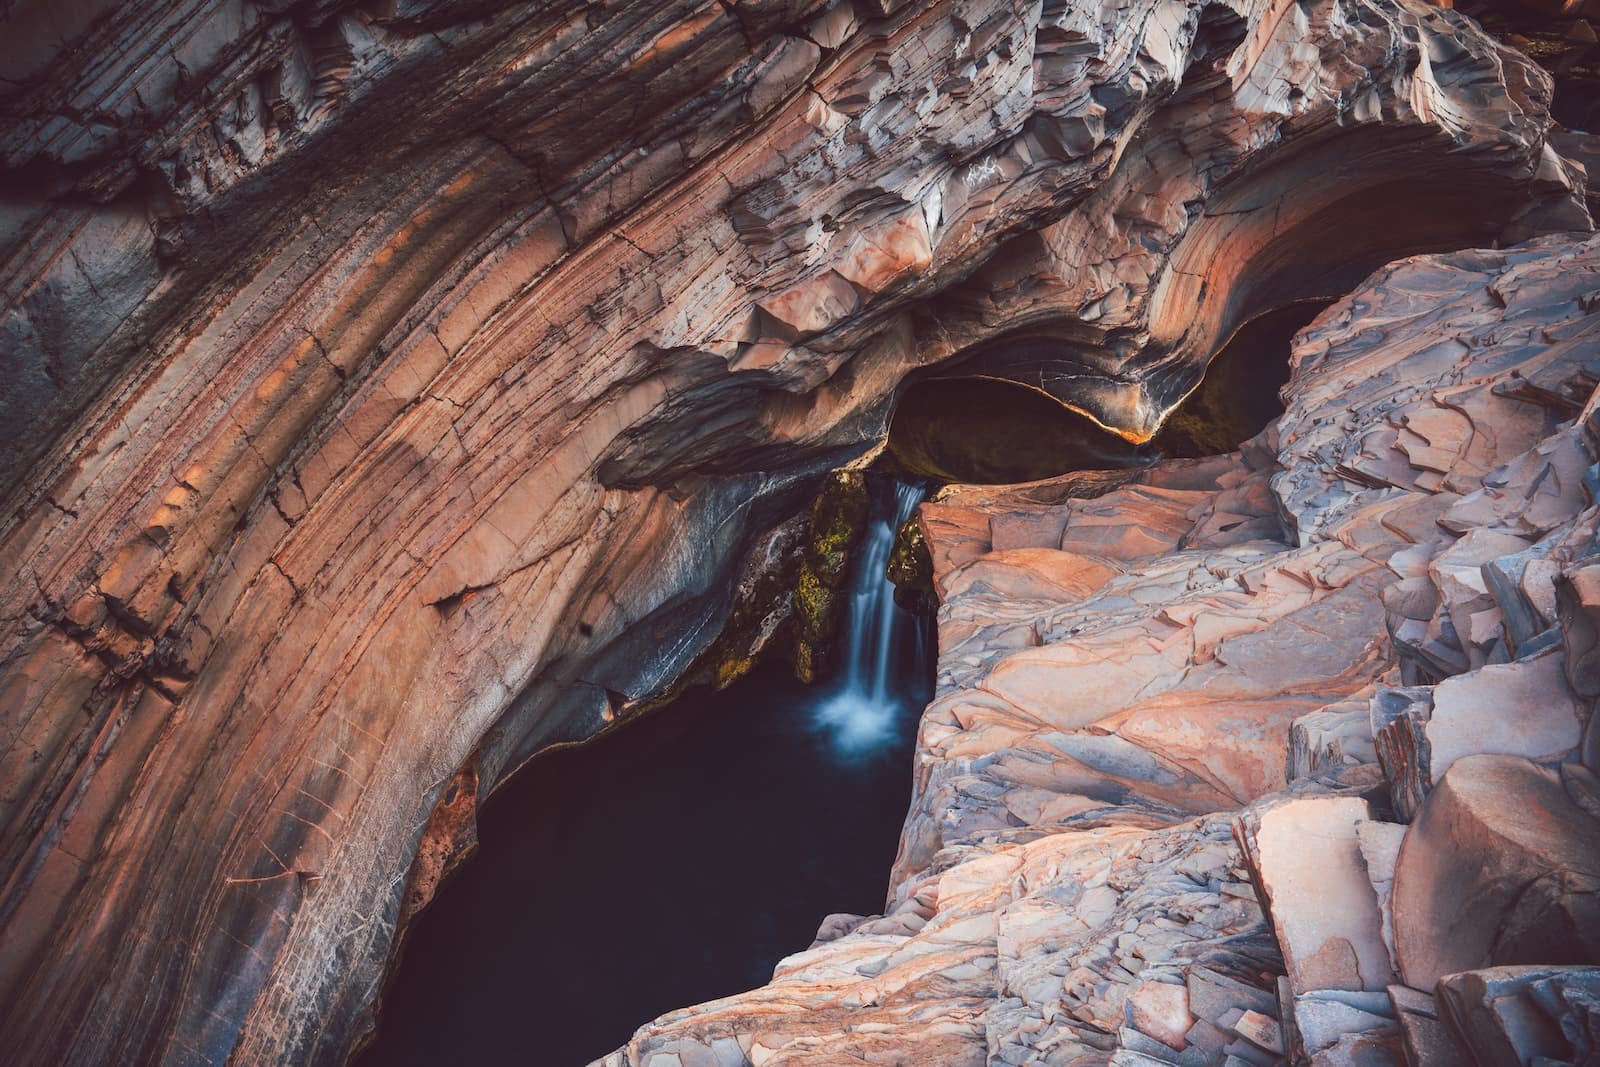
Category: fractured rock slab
[1513,709]
[1332,738]
[1380,851]
[1161,1010]
[1519,709]
[1338,1028]
[1530,1014]
[1426,1041]
[1305,859]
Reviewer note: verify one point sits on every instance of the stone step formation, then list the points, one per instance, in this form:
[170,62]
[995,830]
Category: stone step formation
[393,389]
[1282,756]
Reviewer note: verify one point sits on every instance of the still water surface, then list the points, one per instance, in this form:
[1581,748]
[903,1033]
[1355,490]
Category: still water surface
[674,861]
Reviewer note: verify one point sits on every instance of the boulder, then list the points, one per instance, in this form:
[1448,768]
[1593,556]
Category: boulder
[1513,709]
[1499,867]
[1305,860]
[1520,709]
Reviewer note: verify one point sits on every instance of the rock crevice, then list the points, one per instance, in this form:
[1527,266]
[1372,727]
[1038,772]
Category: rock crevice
[394,387]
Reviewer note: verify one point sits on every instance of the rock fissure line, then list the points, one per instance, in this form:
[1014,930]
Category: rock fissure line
[179,263]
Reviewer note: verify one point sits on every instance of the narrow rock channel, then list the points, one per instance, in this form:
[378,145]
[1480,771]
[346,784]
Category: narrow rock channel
[767,805]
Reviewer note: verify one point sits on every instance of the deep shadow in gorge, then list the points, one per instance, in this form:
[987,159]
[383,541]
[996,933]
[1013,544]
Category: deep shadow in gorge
[992,431]
[671,862]
[1239,395]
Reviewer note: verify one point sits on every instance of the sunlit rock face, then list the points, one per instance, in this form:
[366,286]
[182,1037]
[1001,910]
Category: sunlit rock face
[1157,815]
[393,388]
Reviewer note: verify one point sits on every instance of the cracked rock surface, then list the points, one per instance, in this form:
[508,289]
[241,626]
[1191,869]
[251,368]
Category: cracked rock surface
[1115,852]
[394,389]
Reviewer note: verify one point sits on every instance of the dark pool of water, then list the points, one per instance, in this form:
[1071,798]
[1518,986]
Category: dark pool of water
[674,861]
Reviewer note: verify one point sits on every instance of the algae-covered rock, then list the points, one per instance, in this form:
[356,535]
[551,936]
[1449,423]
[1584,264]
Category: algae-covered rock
[813,601]
[838,517]
[911,568]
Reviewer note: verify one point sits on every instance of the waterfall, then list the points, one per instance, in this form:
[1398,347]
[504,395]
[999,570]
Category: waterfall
[885,643]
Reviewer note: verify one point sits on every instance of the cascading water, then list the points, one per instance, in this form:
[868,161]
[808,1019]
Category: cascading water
[679,859]
[886,644]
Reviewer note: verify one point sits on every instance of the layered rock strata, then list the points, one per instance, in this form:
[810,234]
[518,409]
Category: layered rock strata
[394,388]
[1152,819]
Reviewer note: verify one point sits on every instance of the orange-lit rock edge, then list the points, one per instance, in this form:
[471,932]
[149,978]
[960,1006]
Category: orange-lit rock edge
[395,385]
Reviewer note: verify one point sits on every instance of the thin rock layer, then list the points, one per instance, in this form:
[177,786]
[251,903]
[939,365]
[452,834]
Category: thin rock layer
[1120,849]
[394,389]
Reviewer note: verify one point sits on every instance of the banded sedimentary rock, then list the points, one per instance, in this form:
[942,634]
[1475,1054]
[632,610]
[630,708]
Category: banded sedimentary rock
[392,389]
[1124,667]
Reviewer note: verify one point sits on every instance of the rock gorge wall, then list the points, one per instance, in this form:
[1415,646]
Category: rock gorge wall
[393,389]
[1282,756]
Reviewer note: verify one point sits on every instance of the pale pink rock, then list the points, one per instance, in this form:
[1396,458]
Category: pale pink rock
[1513,709]
[1380,850]
[1307,864]
[1260,1030]
[1161,1010]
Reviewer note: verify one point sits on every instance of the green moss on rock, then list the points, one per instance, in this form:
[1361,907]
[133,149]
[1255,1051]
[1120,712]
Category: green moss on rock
[813,603]
[838,519]
[911,568]
[804,669]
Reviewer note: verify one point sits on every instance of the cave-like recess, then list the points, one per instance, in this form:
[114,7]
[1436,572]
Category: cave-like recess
[990,430]
[400,388]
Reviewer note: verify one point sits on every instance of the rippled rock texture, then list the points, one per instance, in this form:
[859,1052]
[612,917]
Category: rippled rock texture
[394,388]
[1152,814]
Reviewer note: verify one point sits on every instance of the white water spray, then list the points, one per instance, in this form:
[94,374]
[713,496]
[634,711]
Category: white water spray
[860,714]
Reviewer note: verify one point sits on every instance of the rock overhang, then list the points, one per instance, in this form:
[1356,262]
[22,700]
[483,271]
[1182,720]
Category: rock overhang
[388,343]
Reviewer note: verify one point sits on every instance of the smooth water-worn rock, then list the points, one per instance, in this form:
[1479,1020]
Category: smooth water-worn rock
[1121,668]
[1501,867]
[395,389]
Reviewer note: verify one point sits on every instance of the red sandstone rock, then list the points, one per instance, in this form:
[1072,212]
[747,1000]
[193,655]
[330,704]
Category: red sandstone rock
[385,380]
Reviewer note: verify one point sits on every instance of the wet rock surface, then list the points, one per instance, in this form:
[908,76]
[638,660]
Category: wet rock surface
[838,520]
[397,389]
[1154,818]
